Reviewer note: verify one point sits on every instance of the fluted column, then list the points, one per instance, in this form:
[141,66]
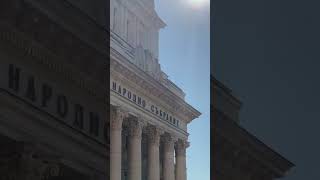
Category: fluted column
[117,115]
[168,158]
[153,153]
[181,168]
[135,134]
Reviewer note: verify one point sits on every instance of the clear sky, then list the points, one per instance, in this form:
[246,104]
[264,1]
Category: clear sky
[185,57]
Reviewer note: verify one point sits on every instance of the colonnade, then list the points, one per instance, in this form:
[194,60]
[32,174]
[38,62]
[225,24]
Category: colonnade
[174,149]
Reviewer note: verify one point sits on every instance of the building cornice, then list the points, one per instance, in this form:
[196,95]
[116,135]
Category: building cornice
[152,87]
[222,89]
[242,140]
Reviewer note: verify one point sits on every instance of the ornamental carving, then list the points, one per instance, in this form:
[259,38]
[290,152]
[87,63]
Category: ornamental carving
[116,117]
[181,146]
[168,141]
[151,88]
[153,134]
[135,126]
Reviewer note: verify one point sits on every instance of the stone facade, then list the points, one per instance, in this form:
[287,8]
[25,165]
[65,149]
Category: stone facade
[52,92]
[149,116]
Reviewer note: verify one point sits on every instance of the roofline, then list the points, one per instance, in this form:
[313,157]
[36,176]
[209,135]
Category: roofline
[225,88]
[154,82]
[265,145]
[253,141]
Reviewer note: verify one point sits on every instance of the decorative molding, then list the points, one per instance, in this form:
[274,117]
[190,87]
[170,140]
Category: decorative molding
[135,127]
[151,88]
[153,134]
[168,141]
[181,147]
[117,115]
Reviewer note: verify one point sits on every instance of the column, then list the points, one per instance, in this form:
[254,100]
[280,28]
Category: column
[117,115]
[134,147]
[168,157]
[153,153]
[181,168]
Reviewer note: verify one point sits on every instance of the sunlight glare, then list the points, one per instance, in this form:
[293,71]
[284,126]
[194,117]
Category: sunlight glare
[197,3]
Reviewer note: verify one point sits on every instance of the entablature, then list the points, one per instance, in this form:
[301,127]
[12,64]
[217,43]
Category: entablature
[147,117]
[153,89]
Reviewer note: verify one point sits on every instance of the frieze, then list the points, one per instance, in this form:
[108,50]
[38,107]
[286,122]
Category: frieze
[143,103]
[152,88]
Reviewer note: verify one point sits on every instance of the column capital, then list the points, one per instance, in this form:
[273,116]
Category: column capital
[117,115]
[135,125]
[181,146]
[153,133]
[169,140]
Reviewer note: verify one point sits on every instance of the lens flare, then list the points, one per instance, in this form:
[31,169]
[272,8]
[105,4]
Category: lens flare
[198,3]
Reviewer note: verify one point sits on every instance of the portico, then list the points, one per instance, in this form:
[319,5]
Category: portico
[149,115]
[174,148]
[148,128]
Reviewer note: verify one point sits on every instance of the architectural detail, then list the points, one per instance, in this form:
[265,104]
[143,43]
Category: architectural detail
[58,130]
[148,141]
[181,167]
[134,148]
[153,152]
[135,127]
[237,153]
[117,116]
[153,134]
[168,159]
[145,61]
[181,147]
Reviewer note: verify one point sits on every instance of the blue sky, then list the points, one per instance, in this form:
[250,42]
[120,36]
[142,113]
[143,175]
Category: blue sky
[185,57]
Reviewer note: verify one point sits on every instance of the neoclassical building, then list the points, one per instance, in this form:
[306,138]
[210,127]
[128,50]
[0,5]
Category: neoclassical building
[236,153]
[148,114]
[53,90]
